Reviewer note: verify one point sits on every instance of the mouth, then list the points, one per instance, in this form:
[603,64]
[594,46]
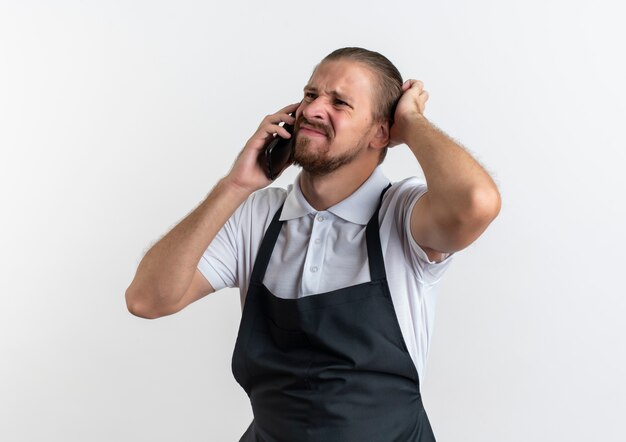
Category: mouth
[312,132]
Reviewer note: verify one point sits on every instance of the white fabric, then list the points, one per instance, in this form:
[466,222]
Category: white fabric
[317,252]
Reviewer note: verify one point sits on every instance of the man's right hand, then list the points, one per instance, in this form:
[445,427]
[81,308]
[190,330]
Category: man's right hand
[246,172]
[167,278]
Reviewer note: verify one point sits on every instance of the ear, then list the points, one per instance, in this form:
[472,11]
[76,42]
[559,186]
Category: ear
[380,139]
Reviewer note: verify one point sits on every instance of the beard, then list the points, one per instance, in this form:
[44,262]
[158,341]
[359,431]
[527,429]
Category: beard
[318,161]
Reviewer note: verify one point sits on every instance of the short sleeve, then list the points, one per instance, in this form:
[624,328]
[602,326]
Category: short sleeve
[229,259]
[406,195]
[218,263]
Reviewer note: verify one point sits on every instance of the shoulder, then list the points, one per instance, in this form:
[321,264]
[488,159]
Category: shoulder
[269,197]
[403,194]
[397,206]
[259,208]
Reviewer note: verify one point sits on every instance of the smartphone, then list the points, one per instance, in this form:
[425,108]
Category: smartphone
[278,153]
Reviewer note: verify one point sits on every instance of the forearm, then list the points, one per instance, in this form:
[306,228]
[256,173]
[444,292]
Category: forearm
[457,184]
[166,270]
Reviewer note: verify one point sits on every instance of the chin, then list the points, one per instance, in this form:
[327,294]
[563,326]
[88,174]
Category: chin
[318,162]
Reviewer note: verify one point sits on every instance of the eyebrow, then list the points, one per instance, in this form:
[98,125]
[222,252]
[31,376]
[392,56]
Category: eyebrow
[333,93]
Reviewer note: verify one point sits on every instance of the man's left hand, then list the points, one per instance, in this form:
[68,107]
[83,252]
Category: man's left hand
[410,107]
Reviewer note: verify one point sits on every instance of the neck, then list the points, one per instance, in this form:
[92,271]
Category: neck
[324,191]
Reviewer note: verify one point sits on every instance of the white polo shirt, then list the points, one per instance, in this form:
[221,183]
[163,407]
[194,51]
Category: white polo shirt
[320,251]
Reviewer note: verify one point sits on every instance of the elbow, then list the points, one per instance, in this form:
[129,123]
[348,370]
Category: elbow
[137,306]
[468,224]
[486,204]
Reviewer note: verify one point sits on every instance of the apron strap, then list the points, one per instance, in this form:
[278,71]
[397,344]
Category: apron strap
[374,248]
[267,246]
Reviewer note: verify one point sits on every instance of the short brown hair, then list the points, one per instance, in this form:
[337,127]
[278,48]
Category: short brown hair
[388,88]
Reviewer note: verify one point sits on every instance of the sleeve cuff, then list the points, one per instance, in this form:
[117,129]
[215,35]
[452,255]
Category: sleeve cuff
[431,271]
[210,274]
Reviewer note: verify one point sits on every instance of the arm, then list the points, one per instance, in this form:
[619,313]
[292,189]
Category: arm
[462,199]
[167,278]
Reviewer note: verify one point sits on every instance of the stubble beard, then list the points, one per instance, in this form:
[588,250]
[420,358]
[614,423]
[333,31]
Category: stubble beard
[318,161]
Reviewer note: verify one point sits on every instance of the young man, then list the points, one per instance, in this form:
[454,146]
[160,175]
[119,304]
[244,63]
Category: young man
[337,272]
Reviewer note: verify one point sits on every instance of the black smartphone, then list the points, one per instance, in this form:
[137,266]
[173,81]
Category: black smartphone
[278,153]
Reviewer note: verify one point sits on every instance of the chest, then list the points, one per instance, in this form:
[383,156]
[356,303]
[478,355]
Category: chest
[315,254]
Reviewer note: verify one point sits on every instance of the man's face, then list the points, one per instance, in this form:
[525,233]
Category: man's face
[334,121]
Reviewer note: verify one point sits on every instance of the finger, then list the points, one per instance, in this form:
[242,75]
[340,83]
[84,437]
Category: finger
[420,102]
[268,130]
[283,132]
[287,118]
[415,84]
[289,108]
[279,117]
[270,119]
[422,99]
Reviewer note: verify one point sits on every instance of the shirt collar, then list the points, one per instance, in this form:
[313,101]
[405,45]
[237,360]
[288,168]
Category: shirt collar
[357,208]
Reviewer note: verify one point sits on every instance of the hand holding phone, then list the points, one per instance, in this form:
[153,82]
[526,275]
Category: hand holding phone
[278,153]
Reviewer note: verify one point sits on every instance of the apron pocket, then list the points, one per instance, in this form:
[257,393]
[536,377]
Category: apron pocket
[287,340]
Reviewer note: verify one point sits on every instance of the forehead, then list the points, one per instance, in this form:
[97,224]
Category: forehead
[345,78]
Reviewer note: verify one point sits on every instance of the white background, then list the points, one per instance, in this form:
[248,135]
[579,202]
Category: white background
[118,117]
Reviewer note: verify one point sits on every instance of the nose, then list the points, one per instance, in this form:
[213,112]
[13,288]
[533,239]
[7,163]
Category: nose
[314,110]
